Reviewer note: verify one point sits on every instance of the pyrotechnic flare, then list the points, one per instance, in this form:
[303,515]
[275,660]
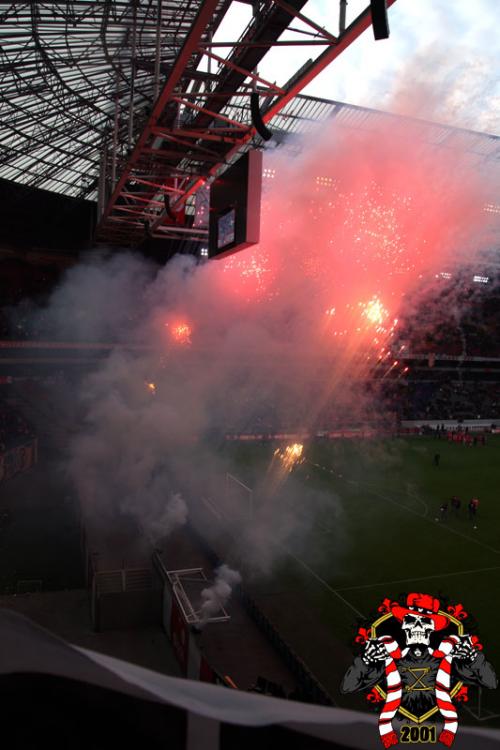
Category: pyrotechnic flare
[397,213]
[291,456]
[216,596]
[180,332]
[374,311]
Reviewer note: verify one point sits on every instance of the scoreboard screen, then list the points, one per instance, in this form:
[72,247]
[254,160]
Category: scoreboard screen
[234,213]
[225,229]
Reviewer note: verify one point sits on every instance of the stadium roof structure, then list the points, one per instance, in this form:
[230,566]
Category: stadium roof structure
[138,103]
[67,68]
[127,101]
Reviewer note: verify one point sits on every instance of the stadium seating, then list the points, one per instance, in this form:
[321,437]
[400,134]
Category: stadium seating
[14,429]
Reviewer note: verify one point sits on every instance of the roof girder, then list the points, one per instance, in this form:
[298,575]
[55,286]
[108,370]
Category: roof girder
[214,105]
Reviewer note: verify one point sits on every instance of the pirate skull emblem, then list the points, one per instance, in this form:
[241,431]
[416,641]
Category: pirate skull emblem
[418,629]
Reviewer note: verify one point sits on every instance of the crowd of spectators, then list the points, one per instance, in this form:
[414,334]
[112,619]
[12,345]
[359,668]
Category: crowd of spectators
[448,400]
[467,339]
[23,286]
[19,323]
[457,317]
[14,428]
[380,405]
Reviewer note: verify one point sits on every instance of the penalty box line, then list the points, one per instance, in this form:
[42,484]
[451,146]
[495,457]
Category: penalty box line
[367,485]
[419,578]
[323,582]
[210,505]
[445,527]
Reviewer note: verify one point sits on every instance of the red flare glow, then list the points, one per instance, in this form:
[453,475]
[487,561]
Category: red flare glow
[180,332]
[350,227]
[374,311]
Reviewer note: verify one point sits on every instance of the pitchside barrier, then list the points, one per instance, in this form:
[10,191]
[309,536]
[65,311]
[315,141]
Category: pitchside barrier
[139,707]
[297,437]
[406,427]
[123,593]
[185,642]
[181,635]
[473,425]
[311,690]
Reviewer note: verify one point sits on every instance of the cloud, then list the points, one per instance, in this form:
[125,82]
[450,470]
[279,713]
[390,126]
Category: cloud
[450,42]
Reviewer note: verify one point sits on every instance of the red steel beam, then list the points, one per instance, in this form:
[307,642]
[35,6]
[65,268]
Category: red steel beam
[290,9]
[244,133]
[163,188]
[352,32]
[168,136]
[206,111]
[206,135]
[207,9]
[249,73]
[165,153]
[223,94]
[128,210]
[284,43]
[139,198]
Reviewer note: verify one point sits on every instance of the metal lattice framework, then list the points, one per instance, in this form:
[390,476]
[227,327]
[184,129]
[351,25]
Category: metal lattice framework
[68,68]
[135,103]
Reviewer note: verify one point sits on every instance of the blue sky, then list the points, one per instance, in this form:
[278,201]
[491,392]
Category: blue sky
[441,62]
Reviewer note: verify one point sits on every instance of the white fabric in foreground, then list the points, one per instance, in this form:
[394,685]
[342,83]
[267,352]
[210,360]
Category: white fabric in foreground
[350,728]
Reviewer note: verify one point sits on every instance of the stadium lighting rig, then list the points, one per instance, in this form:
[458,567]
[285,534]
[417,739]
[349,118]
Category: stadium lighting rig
[202,121]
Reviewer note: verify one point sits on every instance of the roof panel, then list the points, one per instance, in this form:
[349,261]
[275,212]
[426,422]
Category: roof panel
[66,70]
[63,69]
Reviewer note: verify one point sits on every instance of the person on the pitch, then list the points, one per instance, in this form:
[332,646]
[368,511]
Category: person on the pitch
[474,503]
[472,507]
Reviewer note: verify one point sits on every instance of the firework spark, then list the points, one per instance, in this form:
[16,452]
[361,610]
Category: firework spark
[290,456]
[180,332]
[374,311]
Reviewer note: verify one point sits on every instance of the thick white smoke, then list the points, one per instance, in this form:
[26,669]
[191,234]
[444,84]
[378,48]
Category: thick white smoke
[274,339]
[216,596]
[174,515]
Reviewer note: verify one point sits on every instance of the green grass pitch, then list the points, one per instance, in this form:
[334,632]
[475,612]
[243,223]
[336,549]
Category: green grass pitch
[375,533]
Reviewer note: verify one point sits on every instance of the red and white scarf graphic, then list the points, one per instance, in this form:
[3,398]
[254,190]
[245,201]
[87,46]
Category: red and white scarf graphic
[394,691]
[443,684]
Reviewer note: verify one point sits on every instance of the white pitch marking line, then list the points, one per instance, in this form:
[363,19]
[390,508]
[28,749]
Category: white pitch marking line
[443,526]
[411,495]
[414,494]
[324,583]
[420,578]
[357,483]
[426,518]
[210,505]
